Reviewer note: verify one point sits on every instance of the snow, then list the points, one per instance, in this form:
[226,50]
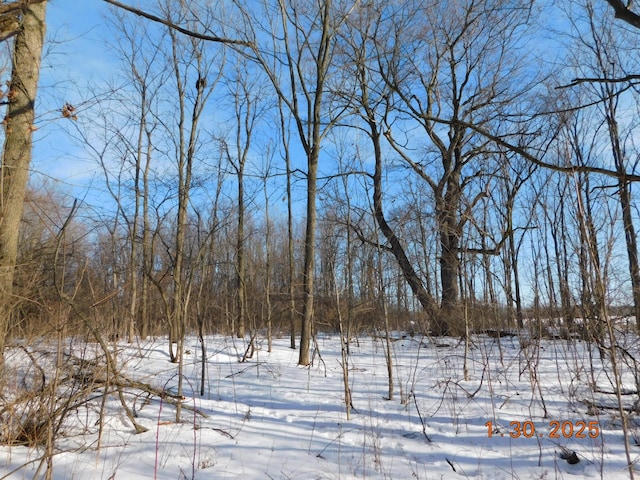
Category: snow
[270,418]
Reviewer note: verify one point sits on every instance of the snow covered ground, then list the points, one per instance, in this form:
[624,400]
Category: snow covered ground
[268,418]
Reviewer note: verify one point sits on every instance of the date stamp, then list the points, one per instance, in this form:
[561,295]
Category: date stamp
[557,429]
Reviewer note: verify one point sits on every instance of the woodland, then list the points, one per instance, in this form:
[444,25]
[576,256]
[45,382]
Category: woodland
[295,169]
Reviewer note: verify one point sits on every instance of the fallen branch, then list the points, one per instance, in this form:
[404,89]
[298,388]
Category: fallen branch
[593,407]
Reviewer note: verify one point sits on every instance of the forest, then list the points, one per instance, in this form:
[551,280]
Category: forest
[280,172]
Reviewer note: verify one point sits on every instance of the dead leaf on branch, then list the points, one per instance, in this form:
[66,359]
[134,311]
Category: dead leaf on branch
[69,111]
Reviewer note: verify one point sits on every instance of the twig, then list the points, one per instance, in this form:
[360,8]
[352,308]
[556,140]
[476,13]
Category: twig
[424,424]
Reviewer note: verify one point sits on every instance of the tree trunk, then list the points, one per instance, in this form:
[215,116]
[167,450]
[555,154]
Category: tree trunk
[408,272]
[632,247]
[593,301]
[309,259]
[17,149]
[133,238]
[562,268]
[240,274]
[291,257]
[290,244]
[517,298]
[449,227]
[311,136]
[147,247]
[624,197]
[449,269]
[267,267]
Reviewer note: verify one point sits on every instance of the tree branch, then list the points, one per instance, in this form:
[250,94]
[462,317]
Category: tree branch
[577,81]
[185,31]
[366,241]
[621,176]
[624,14]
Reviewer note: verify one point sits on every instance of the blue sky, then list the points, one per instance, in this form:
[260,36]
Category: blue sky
[76,57]
[74,54]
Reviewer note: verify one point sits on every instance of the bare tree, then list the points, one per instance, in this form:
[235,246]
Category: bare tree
[19,127]
[143,76]
[605,52]
[299,66]
[602,60]
[435,76]
[463,74]
[371,96]
[291,264]
[193,85]
[242,87]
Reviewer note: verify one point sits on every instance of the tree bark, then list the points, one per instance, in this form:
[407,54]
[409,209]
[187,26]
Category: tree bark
[10,17]
[290,253]
[309,258]
[450,228]
[19,127]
